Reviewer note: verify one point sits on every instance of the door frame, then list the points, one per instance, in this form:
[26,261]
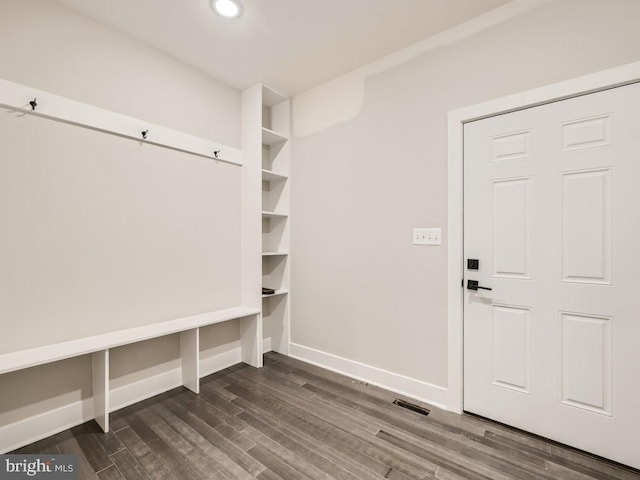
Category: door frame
[595,82]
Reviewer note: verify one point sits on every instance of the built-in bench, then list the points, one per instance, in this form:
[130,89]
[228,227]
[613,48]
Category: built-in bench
[99,345]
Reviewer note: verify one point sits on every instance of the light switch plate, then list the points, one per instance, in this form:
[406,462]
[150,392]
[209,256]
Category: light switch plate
[427,236]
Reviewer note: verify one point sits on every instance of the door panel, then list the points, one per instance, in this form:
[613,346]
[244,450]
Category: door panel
[511,228]
[552,212]
[511,348]
[586,362]
[586,226]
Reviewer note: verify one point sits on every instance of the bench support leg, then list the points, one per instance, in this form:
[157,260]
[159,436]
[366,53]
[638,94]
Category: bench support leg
[251,340]
[101,388]
[190,353]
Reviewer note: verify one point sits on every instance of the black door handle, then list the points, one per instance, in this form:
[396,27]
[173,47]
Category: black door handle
[473,285]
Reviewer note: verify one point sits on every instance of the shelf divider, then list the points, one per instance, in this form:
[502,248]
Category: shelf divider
[251,340]
[190,358]
[101,388]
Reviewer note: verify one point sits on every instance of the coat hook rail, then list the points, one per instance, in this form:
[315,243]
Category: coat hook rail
[25,100]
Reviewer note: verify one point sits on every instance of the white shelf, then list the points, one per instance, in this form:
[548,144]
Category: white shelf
[269,137]
[266,214]
[271,176]
[270,97]
[275,254]
[278,292]
[12,361]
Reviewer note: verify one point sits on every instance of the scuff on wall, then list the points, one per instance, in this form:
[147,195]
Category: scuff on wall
[342,99]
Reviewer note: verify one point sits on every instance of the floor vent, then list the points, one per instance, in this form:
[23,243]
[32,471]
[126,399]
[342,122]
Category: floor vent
[412,407]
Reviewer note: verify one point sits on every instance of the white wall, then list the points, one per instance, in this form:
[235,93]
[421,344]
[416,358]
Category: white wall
[369,164]
[49,47]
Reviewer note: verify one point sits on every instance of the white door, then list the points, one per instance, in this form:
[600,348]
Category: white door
[552,214]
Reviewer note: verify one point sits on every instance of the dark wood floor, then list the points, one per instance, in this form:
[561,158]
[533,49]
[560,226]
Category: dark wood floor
[291,420]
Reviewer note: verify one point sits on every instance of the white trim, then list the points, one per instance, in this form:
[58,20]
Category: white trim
[266,345]
[594,82]
[17,97]
[409,387]
[148,387]
[43,425]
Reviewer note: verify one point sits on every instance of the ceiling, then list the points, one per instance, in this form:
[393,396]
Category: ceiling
[291,45]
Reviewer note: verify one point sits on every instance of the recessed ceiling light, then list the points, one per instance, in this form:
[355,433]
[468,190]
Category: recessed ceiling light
[227,8]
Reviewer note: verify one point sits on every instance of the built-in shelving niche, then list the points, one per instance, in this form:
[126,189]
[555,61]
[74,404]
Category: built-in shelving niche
[274,269]
[275,217]
[274,230]
[273,157]
[272,195]
[275,313]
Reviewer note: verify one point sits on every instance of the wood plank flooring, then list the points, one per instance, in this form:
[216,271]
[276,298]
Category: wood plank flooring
[291,420]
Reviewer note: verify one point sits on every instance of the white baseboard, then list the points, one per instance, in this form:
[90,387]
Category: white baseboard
[218,359]
[37,427]
[43,425]
[409,387]
[134,392]
[266,345]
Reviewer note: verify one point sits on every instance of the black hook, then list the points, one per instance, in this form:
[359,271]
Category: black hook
[33,104]
[216,153]
[144,134]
